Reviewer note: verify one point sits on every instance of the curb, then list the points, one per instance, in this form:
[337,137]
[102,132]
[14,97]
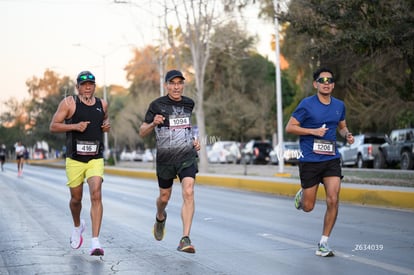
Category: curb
[373,195]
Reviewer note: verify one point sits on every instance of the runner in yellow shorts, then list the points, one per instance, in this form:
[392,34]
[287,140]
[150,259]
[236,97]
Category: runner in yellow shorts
[84,119]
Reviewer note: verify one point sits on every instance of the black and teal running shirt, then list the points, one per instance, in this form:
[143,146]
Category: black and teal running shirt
[174,137]
[87,145]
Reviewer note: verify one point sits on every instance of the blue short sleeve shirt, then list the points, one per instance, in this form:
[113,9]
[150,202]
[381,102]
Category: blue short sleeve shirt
[311,113]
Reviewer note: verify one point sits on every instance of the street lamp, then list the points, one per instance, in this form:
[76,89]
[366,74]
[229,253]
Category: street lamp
[105,93]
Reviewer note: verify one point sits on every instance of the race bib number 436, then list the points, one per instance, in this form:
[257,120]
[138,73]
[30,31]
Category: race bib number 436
[87,148]
[324,147]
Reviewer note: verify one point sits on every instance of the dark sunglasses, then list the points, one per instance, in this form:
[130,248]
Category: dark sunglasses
[87,77]
[324,80]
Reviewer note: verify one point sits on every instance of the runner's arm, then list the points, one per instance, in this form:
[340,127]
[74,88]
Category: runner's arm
[293,127]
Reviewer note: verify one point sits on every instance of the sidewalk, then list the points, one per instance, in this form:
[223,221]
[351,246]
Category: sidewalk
[263,178]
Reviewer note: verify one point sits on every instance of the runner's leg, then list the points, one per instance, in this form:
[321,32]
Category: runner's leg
[332,189]
[187,211]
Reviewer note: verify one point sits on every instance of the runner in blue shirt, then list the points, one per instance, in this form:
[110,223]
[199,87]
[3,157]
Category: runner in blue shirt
[316,120]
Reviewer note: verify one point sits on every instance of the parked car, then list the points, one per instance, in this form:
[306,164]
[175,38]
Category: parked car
[256,152]
[39,154]
[398,150]
[127,155]
[224,152]
[291,153]
[361,153]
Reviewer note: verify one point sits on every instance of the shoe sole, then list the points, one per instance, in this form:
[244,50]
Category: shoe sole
[326,254]
[97,252]
[187,249]
[80,243]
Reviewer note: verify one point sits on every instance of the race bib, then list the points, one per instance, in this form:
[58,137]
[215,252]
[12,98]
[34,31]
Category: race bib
[87,148]
[179,121]
[324,147]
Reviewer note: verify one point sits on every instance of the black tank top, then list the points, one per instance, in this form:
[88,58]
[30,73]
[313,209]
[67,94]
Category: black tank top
[89,144]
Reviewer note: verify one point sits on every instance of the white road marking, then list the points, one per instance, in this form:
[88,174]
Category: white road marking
[362,260]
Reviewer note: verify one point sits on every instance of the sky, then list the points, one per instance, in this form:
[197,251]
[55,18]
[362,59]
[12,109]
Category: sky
[68,36]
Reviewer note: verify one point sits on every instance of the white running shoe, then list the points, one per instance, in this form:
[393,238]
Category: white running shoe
[298,199]
[324,250]
[76,239]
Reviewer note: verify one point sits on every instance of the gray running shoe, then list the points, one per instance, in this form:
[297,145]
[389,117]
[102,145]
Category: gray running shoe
[159,228]
[185,245]
[298,199]
[324,250]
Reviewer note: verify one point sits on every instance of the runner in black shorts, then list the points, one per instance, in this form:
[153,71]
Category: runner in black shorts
[170,117]
[316,120]
[2,156]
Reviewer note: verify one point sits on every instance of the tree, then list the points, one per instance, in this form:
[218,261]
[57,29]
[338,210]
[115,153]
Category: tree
[196,25]
[238,81]
[369,44]
[143,72]
[226,86]
[15,121]
[46,94]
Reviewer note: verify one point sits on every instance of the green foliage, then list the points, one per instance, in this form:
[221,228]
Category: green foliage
[110,161]
[240,88]
[368,44]
[9,136]
[42,112]
[406,119]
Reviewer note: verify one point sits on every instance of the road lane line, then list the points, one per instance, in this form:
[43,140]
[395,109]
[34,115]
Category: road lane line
[362,260]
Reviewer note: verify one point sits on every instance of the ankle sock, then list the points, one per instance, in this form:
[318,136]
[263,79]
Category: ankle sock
[324,239]
[95,243]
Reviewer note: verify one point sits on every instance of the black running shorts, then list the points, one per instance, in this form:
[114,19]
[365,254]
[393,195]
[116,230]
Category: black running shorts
[312,173]
[167,173]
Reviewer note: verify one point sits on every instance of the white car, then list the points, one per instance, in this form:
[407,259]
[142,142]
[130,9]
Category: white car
[224,152]
[127,155]
[148,155]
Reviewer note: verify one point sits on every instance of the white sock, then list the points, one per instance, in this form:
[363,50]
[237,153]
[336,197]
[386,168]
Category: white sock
[95,243]
[324,239]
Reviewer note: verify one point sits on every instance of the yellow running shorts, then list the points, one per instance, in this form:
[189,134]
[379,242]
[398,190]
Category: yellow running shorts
[77,171]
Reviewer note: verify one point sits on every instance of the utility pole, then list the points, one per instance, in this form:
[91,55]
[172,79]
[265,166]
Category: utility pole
[278,90]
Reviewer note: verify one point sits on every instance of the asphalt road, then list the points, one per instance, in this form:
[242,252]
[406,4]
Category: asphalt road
[234,232]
